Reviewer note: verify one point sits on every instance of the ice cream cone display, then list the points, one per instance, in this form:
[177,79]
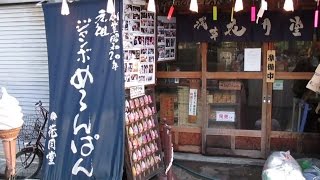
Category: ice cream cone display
[142,137]
[10,112]
[10,133]
[314,83]
[10,124]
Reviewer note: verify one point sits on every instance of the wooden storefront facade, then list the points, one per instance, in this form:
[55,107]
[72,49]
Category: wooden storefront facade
[239,142]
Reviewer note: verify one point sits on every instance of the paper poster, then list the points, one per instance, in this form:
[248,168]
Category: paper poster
[225,116]
[166,38]
[252,59]
[136,91]
[139,45]
[278,85]
[193,97]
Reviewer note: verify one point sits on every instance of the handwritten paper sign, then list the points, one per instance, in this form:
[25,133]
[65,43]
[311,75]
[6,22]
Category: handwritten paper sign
[137,91]
[252,59]
[193,96]
[225,116]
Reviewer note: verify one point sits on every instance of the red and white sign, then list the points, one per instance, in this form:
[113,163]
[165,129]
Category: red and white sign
[225,116]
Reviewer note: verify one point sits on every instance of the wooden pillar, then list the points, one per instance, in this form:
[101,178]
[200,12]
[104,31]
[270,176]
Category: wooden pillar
[204,49]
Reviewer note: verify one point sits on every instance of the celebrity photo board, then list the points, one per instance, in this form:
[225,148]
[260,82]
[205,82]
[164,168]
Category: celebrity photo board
[166,38]
[139,44]
[143,157]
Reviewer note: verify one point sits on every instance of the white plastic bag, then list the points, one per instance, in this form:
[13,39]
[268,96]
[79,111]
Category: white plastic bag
[281,166]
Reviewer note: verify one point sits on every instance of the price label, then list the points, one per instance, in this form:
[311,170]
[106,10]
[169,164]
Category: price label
[137,91]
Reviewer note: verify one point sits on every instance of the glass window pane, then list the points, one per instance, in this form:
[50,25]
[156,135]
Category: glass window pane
[297,56]
[294,107]
[188,59]
[234,104]
[179,101]
[228,56]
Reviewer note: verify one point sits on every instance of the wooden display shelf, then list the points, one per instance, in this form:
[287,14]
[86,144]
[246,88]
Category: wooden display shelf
[131,165]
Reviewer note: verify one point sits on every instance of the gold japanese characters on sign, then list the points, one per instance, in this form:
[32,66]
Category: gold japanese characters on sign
[271,65]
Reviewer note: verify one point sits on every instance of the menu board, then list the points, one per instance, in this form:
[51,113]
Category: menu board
[166,38]
[139,45]
[143,145]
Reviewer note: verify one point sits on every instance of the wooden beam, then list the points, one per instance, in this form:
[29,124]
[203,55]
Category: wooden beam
[204,51]
[294,75]
[237,152]
[234,75]
[233,132]
[287,134]
[189,148]
[179,74]
[233,142]
[186,129]
[264,135]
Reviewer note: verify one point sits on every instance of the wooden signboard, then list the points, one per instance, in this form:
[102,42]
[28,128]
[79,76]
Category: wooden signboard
[143,158]
[230,85]
[271,65]
[167,107]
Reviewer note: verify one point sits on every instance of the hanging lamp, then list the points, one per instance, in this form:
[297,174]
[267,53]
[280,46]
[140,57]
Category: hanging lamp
[194,5]
[65,8]
[238,5]
[151,6]
[110,7]
[288,5]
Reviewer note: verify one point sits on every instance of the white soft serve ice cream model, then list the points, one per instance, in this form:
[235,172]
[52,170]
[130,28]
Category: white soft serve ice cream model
[10,112]
[10,124]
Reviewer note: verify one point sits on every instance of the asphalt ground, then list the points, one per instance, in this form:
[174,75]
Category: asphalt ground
[197,167]
[191,170]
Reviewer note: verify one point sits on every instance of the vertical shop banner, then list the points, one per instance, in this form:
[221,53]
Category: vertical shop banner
[193,102]
[85,137]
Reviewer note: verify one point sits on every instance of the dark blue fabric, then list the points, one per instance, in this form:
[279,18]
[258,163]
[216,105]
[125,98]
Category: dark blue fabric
[242,21]
[185,30]
[307,17]
[280,23]
[276,33]
[104,96]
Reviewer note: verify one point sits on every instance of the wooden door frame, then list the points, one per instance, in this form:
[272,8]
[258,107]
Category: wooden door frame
[266,134]
[300,138]
[233,133]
